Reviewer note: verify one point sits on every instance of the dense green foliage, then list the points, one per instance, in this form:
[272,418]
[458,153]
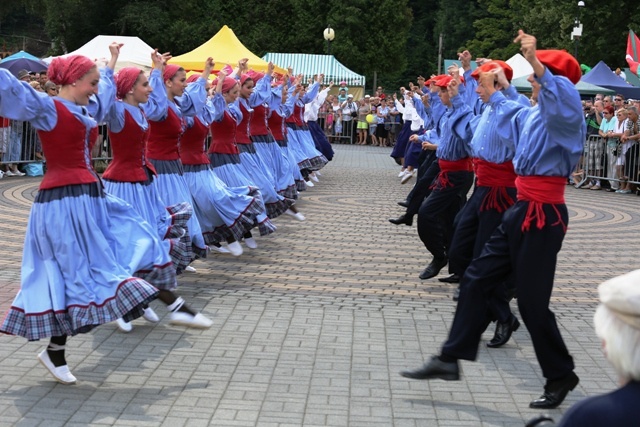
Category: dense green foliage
[397,39]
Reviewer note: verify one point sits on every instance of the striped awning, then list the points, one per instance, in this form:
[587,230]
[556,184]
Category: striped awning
[311,65]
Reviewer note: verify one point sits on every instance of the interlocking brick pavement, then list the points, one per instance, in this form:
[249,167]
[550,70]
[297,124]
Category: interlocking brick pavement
[313,327]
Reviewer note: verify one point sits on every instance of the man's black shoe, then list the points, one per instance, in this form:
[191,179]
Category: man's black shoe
[435,369]
[555,392]
[404,204]
[454,278]
[403,219]
[433,268]
[503,332]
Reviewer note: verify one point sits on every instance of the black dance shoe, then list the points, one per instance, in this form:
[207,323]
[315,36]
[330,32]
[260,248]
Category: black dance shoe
[503,332]
[433,268]
[404,204]
[454,278]
[555,392]
[435,369]
[403,219]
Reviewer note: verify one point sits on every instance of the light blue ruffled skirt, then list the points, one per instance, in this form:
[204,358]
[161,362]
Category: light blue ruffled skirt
[173,189]
[273,159]
[88,259]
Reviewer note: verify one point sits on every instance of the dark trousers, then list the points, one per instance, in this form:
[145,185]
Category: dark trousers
[427,172]
[531,257]
[473,228]
[436,214]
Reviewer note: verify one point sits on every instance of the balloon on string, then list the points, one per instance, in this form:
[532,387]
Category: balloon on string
[371,118]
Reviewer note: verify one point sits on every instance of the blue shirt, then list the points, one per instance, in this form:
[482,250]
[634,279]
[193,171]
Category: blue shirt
[19,101]
[451,147]
[548,137]
[481,130]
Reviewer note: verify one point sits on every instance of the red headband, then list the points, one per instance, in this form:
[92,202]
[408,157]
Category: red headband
[255,75]
[64,71]
[125,79]
[170,71]
[227,84]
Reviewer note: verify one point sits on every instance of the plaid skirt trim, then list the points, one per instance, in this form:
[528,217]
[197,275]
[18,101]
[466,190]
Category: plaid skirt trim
[276,209]
[180,255]
[243,223]
[290,192]
[180,214]
[318,162]
[300,185]
[305,164]
[161,276]
[131,296]
[266,227]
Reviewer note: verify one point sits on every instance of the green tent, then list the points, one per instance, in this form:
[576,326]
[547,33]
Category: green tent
[522,85]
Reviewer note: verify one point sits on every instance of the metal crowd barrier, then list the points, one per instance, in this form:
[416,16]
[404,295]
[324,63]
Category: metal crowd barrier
[608,160]
[348,129]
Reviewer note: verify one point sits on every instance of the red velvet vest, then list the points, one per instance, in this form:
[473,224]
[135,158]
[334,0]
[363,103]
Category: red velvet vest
[164,137]
[129,157]
[276,125]
[297,116]
[192,144]
[66,149]
[258,125]
[242,133]
[223,136]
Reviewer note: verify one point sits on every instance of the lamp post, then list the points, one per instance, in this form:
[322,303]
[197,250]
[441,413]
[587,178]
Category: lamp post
[329,35]
[577,29]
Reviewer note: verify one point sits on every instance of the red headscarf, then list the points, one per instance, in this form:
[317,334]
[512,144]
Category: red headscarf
[64,71]
[227,84]
[192,78]
[255,75]
[125,79]
[245,77]
[170,71]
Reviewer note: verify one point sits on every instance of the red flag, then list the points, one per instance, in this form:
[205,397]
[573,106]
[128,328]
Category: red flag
[633,52]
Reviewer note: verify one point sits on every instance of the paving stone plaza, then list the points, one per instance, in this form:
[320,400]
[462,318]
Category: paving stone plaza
[312,328]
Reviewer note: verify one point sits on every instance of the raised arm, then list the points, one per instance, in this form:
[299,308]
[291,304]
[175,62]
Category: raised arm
[19,101]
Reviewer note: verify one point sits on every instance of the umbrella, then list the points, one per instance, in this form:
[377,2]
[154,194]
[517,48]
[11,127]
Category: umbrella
[23,61]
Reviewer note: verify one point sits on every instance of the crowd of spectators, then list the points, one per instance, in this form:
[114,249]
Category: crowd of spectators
[371,120]
[612,152]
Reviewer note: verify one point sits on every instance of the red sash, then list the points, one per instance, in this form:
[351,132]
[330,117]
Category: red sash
[447,166]
[538,191]
[498,177]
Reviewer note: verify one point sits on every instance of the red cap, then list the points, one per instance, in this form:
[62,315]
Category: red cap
[561,63]
[492,65]
[434,79]
[445,80]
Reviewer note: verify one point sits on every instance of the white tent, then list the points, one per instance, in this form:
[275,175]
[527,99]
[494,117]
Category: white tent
[134,52]
[520,66]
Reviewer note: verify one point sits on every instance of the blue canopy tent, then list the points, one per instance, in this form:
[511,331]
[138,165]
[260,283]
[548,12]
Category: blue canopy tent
[23,61]
[601,75]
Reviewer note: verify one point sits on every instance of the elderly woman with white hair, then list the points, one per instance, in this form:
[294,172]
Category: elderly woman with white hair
[617,324]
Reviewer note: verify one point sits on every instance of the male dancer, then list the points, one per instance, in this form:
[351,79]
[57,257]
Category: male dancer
[549,141]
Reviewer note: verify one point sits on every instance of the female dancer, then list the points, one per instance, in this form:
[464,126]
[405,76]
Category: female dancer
[165,117]
[268,152]
[88,256]
[281,107]
[225,156]
[224,213]
[256,170]
[300,140]
[132,178]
